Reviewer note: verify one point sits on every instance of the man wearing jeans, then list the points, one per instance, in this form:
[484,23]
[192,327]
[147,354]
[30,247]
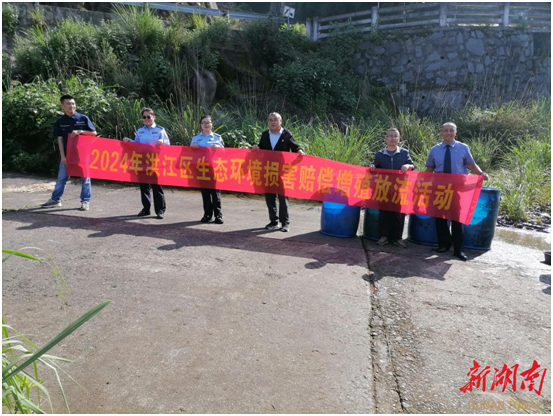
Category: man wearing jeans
[68,126]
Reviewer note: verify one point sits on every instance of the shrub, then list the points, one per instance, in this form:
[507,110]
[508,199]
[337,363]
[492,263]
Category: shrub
[178,23]
[197,21]
[297,29]
[28,52]
[114,35]
[317,84]
[274,44]
[202,44]
[29,112]
[154,76]
[10,18]
[7,71]
[60,52]
[318,80]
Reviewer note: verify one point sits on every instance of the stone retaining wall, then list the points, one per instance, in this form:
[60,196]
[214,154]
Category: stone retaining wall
[446,68]
[427,73]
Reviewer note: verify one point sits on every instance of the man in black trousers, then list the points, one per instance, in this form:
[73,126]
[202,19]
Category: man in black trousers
[451,156]
[280,139]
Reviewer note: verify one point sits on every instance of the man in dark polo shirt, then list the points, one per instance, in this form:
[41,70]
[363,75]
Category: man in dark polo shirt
[68,126]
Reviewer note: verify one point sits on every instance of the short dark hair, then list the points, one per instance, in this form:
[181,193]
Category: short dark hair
[149,110]
[204,117]
[66,97]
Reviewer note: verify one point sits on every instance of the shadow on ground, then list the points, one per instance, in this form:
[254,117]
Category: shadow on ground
[181,235]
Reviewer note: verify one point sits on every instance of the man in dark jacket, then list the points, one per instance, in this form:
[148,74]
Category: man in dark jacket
[280,139]
[395,158]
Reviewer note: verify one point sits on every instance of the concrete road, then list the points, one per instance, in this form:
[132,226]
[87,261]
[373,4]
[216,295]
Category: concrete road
[232,318]
[204,318]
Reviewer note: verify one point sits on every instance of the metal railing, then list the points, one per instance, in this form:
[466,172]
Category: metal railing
[535,17]
[173,7]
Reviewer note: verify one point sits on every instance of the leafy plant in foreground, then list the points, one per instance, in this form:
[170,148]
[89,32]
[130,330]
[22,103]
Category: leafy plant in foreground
[19,354]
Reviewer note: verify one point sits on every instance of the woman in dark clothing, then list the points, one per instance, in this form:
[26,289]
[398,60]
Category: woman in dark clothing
[395,158]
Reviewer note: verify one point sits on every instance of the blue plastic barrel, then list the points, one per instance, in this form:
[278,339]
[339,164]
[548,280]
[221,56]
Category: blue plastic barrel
[370,224]
[479,233]
[339,220]
[422,230]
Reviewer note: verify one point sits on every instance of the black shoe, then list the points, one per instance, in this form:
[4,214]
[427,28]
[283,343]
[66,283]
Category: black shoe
[461,255]
[205,219]
[219,220]
[143,213]
[271,226]
[441,249]
[160,215]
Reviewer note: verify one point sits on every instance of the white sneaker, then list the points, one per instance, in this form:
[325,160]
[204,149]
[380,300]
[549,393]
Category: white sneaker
[51,203]
[382,242]
[85,206]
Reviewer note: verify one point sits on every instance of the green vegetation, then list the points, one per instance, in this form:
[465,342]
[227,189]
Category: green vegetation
[142,60]
[29,111]
[10,18]
[22,390]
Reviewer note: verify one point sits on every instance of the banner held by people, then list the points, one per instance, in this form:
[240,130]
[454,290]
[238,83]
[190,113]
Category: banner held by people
[260,171]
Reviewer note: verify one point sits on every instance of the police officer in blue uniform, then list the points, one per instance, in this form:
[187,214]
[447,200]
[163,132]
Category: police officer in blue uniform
[151,133]
[211,197]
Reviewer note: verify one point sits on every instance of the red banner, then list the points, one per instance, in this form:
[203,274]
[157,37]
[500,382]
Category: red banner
[262,171]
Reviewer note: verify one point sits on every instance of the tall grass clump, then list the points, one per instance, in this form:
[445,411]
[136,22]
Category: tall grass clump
[512,141]
[183,123]
[487,151]
[525,179]
[123,119]
[327,141]
[141,26]
[509,121]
